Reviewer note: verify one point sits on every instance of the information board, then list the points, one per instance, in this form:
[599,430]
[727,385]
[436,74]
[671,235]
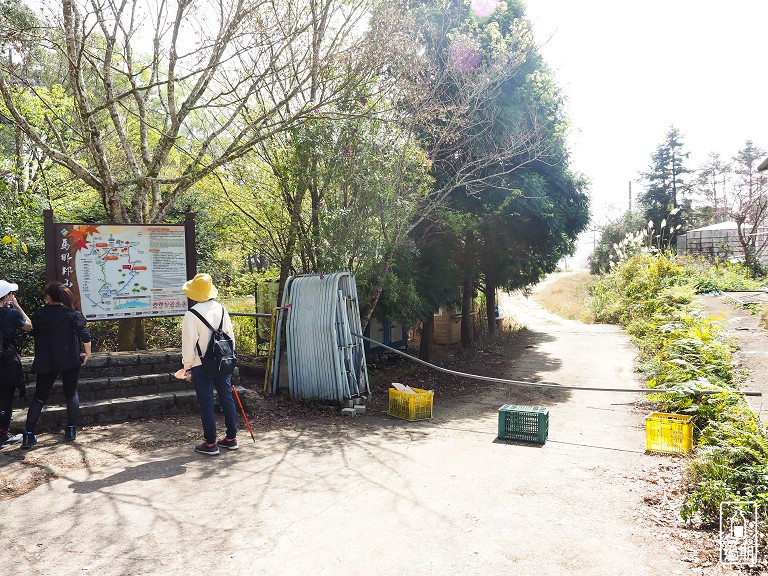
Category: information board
[123,271]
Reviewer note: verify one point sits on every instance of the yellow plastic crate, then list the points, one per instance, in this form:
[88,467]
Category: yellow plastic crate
[669,433]
[411,406]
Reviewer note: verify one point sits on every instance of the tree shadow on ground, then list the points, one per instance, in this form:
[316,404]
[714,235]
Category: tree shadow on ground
[144,472]
[513,358]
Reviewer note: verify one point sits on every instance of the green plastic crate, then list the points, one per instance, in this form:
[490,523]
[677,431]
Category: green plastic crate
[524,423]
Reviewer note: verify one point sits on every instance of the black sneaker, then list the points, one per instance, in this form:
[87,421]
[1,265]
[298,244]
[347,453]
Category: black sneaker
[28,440]
[7,438]
[70,433]
[228,443]
[207,449]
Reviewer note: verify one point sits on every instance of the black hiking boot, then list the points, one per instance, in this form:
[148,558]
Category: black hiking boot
[28,440]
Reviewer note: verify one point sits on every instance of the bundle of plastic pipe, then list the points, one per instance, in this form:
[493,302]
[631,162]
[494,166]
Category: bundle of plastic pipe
[324,360]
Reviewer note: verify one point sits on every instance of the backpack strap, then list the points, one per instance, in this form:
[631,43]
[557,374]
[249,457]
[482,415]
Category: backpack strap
[204,321]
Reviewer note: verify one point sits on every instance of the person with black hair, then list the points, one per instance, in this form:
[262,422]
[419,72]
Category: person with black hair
[12,317]
[58,329]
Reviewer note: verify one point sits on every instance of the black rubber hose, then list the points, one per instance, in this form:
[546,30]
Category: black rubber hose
[548,384]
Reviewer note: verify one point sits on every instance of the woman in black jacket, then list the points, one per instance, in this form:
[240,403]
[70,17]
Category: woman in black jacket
[58,330]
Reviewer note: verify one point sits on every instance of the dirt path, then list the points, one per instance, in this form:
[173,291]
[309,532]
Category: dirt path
[603,485]
[384,496]
[751,356]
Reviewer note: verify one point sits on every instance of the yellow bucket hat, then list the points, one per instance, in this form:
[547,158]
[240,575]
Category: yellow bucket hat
[200,288]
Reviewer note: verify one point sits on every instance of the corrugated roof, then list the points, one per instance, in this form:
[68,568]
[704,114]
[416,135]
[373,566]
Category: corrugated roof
[720,226]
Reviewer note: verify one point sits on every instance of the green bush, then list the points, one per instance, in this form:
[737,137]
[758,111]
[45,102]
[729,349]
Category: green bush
[731,465]
[246,339]
[707,277]
[689,346]
[163,332]
[685,352]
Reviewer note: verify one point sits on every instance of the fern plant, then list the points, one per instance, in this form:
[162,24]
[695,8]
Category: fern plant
[684,351]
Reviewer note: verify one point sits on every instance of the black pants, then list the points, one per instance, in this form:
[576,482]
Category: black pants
[43,387]
[44,383]
[10,381]
[6,405]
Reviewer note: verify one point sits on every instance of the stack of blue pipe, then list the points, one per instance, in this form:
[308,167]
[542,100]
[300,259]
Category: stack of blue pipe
[324,360]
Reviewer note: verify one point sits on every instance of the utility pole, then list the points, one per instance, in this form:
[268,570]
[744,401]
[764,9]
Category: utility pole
[630,195]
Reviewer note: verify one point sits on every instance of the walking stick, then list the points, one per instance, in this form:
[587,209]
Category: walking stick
[243,411]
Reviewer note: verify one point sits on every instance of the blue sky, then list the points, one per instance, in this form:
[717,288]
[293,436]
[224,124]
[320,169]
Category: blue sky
[629,70]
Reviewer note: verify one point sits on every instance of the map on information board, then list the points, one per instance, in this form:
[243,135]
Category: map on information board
[121,271]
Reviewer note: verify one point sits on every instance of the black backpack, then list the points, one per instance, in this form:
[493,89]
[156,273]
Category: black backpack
[220,358]
[5,345]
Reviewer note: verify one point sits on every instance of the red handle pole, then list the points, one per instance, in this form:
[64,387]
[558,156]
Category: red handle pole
[248,424]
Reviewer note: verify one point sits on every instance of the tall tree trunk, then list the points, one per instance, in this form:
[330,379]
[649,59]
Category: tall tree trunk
[467,288]
[314,250]
[293,235]
[490,306]
[130,335]
[141,336]
[19,182]
[466,311]
[427,338]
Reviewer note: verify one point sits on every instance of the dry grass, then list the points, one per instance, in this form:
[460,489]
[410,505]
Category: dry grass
[567,295]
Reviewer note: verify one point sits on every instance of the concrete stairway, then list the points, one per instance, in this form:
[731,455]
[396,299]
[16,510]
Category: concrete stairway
[115,387]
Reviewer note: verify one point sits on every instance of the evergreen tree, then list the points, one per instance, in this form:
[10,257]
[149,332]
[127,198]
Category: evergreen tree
[712,181]
[438,273]
[668,186]
[516,208]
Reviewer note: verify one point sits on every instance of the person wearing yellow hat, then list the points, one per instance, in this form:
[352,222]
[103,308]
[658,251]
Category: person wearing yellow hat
[12,317]
[194,339]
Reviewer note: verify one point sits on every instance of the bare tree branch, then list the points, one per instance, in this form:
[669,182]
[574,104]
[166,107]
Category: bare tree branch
[166,94]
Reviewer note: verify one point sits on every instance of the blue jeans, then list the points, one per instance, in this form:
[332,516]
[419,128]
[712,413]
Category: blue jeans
[204,390]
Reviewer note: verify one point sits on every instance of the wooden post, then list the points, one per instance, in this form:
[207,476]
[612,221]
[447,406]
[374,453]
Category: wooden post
[189,241]
[49,235]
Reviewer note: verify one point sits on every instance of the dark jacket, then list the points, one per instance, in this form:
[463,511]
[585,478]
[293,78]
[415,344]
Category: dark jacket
[58,332]
[10,363]
[10,321]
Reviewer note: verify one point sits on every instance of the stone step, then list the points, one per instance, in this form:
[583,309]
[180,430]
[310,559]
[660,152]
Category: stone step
[107,388]
[110,387]
[54,416]
[115,387]
[122,364]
